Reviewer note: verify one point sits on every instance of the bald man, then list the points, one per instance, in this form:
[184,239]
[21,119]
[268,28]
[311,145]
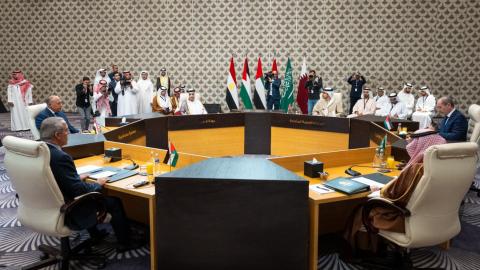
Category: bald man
[54,108]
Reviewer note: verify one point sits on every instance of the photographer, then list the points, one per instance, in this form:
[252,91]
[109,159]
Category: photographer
[84,92]
[272,85]
[127,95]
[357,81]
[101,99]
[314,85]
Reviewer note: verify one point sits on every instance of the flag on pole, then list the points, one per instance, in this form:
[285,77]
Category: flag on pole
[387,123]
[302,92]
[171,157]
[287,94]
[232,93]
[274,65]
[259,93]
[245,88]
[383,143]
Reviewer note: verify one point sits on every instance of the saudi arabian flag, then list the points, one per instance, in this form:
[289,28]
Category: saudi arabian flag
[287,94]
[245,91]
[232,94]
[259,95]
[171,157]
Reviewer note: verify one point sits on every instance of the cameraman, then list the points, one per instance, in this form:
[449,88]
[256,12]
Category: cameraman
[314,85]
[84,92]
[357,81]
[127,95]
[272,85]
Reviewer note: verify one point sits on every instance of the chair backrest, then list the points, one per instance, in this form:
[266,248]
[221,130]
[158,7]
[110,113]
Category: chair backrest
[474,123]
[338,100]
[40,198]
[33,111]
[448,174]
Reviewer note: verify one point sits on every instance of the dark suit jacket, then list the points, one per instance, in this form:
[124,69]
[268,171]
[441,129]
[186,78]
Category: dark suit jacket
[275,88]
[356,84]
[456,127]
[47,113]
[63,169]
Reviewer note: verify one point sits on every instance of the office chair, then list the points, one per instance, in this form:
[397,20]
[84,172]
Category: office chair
[431,215]
[33,111]
[42,207]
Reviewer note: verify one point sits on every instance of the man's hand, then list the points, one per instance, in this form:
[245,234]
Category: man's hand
[102,181]
[84,176]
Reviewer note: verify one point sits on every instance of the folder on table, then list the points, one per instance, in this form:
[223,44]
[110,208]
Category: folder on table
[346,185]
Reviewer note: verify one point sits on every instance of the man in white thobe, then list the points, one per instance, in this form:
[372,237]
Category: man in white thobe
[364,106]
[194,106]
[19,94]
[327,105]
[406,97]
[397,109]
[381,100]
[127,95]
[425,108]
[101,75]
[145,93]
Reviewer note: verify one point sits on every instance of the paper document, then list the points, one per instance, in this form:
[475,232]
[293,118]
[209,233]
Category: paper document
[102,174]
[88,168]
[369,182]
[321,189]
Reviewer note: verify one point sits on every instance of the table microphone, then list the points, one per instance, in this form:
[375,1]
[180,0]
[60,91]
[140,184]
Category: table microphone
[352,172]
[131,167]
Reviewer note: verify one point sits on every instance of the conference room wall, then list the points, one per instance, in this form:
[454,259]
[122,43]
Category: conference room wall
[428,42]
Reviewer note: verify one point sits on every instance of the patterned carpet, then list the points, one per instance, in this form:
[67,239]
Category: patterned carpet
[18,244]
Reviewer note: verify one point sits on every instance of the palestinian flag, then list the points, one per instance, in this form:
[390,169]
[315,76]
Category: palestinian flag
[259,93]
[232,93]
[274,65]
[245,90]
[287,95]
[302,92]
[387,123]
[171,157]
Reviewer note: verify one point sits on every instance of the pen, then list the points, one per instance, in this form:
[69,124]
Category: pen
[322,188]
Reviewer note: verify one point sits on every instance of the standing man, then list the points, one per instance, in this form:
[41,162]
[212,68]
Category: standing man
[164,80]
[272,85]
[19,93]
[111,89]
[84,92]
[145,93]
[356,81]
[111,75]
[454,126]
[54,109]
[365,105]
[127,95]
[101,75]
[314,85]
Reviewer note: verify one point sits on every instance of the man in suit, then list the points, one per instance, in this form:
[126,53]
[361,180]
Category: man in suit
[54,131]
[54,108]
[272,85]
[454,126]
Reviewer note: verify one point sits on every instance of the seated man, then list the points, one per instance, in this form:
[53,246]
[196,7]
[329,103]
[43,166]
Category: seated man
[54,132]
[365,105]
[193,105]
[54,108]
[454,126]
[425,108]
[381,100]
[396,108]
[327,105]
[161,102]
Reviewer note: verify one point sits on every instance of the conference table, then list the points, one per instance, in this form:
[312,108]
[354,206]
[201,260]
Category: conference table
[284,139]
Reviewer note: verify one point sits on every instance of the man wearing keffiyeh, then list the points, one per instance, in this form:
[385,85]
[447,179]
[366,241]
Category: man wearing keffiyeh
[19,97]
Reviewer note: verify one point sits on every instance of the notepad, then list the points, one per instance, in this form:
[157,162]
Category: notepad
[368,182]
[88,169]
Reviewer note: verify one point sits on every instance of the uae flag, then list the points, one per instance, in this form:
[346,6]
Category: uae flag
[287,96]
[171,157]
[259,94]
[245,90]
[232,93]
[387,123]
[302,92]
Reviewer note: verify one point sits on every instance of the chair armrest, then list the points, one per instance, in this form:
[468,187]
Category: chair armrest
[95,196]
[379,202]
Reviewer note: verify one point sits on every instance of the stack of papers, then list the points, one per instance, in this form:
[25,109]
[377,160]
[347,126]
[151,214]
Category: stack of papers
[102,174]
[88,169]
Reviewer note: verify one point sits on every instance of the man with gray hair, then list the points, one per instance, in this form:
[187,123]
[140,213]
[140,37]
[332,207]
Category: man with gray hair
[454,126]
[54,108]
[54,131]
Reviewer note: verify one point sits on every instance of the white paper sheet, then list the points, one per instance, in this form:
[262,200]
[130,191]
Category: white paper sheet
[87,168]
[321,189]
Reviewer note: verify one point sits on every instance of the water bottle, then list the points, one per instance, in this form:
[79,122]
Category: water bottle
[399,128]
[376,158]
[156,165]
[381,159]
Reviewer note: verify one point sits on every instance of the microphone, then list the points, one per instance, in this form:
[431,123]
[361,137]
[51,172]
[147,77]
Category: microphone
[352,172]
[131,167]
